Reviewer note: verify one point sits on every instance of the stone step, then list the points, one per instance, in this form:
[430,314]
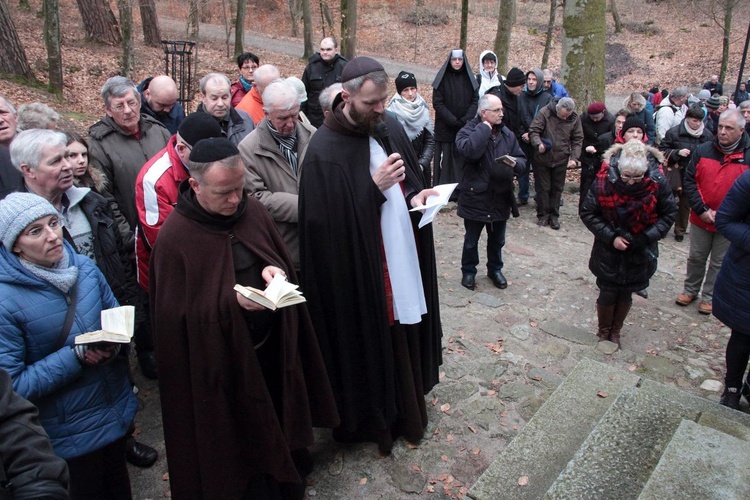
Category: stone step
[549,440]
[701,462]
[618,457]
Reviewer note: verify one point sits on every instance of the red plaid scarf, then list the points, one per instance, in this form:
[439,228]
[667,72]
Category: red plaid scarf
[631,208]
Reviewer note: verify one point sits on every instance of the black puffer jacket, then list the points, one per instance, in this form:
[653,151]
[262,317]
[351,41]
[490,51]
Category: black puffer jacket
[674,140]
[628,270]
[486,190]
[424,146]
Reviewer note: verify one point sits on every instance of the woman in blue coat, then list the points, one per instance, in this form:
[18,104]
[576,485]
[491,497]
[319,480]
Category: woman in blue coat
[84,397]
[732,289]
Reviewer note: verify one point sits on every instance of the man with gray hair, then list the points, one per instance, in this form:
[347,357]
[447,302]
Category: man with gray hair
[744,108]
[273,155]
[37,115]
[216,101]
[252,103]
[368,270]
[10,178]
[671,112]
[327,96]
[713,168]
[119,144]
[556,135]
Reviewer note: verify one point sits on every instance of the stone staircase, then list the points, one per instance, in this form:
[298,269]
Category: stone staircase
[606,433]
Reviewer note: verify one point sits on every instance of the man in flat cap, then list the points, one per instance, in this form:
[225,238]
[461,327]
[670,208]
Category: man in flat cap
[241,386]
[368,271]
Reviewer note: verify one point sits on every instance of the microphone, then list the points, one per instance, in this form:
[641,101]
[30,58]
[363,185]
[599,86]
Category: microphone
[381,134]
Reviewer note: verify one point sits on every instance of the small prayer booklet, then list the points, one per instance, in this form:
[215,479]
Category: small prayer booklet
[434,203]
[117,326]
[278,293]
[506,159]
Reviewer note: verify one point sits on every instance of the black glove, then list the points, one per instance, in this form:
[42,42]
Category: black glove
[639,242]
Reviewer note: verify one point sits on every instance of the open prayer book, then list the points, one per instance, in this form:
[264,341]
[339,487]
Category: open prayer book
[434,203]
[278,293]
[117,327]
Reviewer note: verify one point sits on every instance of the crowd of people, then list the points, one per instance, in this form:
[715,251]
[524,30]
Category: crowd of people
[311,180]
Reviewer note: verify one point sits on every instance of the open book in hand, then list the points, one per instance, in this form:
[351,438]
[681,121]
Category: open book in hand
[434,203]
[278,293]
[117,326]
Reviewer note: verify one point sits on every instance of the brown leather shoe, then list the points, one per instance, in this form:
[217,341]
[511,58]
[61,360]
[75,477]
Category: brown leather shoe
[705,307]
[684,299]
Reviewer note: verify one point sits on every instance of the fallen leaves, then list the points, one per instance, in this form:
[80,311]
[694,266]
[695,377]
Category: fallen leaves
[523,480]
[496,348]
[472,429]
[602,394]
[363,481]
[445,408]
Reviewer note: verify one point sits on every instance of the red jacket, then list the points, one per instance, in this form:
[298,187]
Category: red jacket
[710,174]
[238,92]
[156,190]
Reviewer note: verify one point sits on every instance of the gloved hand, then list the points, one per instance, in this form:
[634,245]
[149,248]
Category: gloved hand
[96,354]
[639,242]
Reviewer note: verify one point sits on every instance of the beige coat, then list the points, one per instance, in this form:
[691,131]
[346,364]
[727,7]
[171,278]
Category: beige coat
[273,182]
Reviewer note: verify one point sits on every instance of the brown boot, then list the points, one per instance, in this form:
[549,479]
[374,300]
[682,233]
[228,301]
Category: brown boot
[621,312]
[605,314]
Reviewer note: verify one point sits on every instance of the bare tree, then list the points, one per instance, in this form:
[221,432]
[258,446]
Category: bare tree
[295,14]
[52,43]
[615,16]
[150,21]
[349,28]
[464,24]
[193,20]
[307,28]
[239,28]
[13,56]
[99,21]
[126,22]
[720,12]
[585,31]
[502,38]
[550,32]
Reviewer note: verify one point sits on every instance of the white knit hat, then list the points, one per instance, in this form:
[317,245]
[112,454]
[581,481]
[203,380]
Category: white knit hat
[17,211]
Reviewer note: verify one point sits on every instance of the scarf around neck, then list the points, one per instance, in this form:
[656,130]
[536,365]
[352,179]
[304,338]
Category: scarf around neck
[630,208]
[694,133]
[287,145]
[63,275]
[245,84]
[414,116]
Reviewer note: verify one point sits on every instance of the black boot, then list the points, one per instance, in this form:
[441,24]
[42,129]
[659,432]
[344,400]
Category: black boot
[139,454]
[730,398]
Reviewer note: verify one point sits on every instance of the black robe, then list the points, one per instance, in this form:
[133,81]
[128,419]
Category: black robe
[220,425]
[343,277]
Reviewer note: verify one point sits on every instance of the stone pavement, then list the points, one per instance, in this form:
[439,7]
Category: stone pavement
[505,351]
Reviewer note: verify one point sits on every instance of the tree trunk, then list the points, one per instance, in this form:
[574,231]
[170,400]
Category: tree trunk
[294,15]
[585,30]
[193,20]
[349,28]
[239,28]
[99,21]
[13,57]
[615,16]
[52,43]
[550,33]
[502,38]
[307,29]
[464,24]
[150,21]
[728,7]
[126,21]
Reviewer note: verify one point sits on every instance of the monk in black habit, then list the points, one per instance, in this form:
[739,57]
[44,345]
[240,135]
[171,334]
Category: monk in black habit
[241,386]
[368,271]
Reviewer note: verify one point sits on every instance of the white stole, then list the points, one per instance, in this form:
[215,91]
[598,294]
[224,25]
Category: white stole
[400,249]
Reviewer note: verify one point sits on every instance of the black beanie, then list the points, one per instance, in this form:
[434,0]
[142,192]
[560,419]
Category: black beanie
[213,149]
[197,126]
[515,78]
[405,80]
[633,122]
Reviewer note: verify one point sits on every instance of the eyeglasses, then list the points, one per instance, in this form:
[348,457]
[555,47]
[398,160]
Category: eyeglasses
[39,230]
[496,110]
[634,178]
[120,107]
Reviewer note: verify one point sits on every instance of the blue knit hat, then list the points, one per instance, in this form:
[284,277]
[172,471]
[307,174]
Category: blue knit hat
[17,211]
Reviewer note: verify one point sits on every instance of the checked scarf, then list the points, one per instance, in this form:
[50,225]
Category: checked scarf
[631,208]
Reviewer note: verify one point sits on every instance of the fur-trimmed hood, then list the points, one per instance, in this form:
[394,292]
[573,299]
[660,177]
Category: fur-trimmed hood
[616,148]
[93,178]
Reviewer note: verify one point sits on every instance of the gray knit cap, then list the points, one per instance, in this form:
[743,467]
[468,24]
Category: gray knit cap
[17,211]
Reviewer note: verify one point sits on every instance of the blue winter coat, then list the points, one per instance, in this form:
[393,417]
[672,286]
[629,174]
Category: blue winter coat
[82,409]
[732,289]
